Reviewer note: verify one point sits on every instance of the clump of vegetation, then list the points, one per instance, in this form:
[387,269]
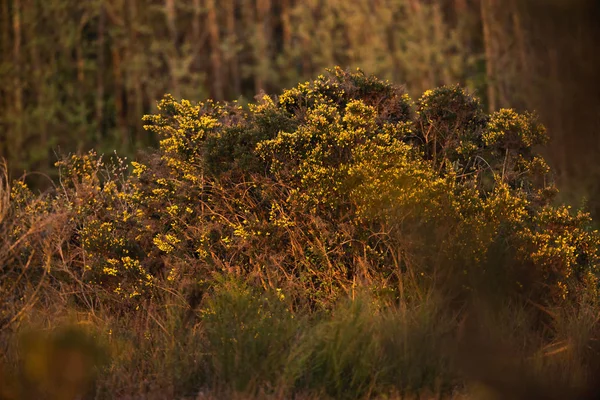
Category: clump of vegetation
[337,186]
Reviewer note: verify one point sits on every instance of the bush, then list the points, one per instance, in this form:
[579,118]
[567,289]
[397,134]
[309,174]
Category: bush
[338,180]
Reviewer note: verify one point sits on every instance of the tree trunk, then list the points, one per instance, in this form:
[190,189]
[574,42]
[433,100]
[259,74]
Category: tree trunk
[6,57]
[118,93]
[486,11]
[17,35]
[415,5]
[215,50]
[6,24]
[249,25]
[100,69]
[262,56]
[234,67]
[460,6]
[79,57]
[36,77]
[18,88]
[197,38]
[519,35]
[135,73]
[171,13]
[285,25]
[439,38]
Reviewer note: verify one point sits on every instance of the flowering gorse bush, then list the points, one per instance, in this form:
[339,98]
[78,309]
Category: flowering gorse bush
[337,181]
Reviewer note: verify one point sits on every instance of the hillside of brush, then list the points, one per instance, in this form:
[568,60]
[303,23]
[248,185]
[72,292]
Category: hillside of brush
[339,240]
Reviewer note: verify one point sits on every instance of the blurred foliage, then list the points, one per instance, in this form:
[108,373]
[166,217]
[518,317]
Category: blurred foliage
[59,364]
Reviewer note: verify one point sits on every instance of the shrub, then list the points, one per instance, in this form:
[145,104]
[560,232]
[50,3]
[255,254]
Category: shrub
[345,171]
[338,180]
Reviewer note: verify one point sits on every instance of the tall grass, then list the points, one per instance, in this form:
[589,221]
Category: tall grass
[251,343]
[367,348]
[247,343]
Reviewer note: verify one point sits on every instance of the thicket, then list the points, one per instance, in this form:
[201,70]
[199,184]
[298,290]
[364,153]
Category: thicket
[243,235]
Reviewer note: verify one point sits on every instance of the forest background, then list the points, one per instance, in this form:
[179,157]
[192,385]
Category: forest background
[78,75]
